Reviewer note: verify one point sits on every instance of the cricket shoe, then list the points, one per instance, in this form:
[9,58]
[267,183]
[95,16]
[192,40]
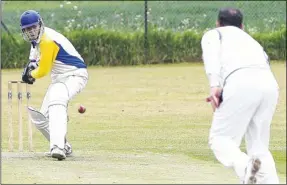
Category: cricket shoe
[251,171]
[67,149]
[58,153]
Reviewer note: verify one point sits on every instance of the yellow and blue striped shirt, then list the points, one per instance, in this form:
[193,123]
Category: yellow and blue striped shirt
[55,54]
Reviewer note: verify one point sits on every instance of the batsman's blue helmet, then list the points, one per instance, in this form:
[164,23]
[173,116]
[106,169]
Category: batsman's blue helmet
[30,18]
[31,25]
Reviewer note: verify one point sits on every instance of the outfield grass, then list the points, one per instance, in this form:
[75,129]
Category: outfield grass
[259,16]
[145,124]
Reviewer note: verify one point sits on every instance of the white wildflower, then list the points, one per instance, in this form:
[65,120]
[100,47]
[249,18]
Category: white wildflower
[185,21]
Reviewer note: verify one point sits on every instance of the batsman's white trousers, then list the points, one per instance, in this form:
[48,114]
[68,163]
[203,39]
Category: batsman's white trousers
[249,101]
[54,106]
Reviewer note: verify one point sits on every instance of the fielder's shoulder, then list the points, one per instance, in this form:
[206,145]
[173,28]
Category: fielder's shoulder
[210,35]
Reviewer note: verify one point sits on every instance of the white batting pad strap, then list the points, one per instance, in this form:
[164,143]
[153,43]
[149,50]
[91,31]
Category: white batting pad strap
[40,121]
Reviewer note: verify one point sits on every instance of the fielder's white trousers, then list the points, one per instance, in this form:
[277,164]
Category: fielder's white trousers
[249,102]
[54,105]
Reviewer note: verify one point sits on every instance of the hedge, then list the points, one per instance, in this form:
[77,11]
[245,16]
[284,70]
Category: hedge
[102,47]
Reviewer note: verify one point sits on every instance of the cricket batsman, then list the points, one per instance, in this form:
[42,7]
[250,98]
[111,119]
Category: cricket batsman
[53,53]
[244,95]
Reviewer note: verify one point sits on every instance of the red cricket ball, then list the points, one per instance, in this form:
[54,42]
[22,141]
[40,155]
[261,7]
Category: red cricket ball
[82,109]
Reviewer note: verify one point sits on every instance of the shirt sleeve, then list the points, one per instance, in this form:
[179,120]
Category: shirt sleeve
[49,51]
[210,44]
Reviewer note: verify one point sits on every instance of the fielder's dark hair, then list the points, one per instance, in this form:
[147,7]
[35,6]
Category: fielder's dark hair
[230,17]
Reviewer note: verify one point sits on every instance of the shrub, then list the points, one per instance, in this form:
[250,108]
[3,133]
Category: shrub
[102,47]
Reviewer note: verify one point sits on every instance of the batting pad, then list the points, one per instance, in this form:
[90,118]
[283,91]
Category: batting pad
[40,121]
[36,116]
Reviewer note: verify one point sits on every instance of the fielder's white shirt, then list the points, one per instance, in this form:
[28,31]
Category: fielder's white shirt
[226,49]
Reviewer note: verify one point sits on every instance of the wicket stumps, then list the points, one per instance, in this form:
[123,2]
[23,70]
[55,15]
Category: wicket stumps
[20,121]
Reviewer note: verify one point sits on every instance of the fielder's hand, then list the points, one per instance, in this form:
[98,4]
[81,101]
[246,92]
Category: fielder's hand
[26,75]
[215,97]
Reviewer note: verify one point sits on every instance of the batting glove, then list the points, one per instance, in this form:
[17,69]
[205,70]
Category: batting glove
[26,75]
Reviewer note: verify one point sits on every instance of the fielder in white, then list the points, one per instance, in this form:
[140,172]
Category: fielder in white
[53,53]
[243,93]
